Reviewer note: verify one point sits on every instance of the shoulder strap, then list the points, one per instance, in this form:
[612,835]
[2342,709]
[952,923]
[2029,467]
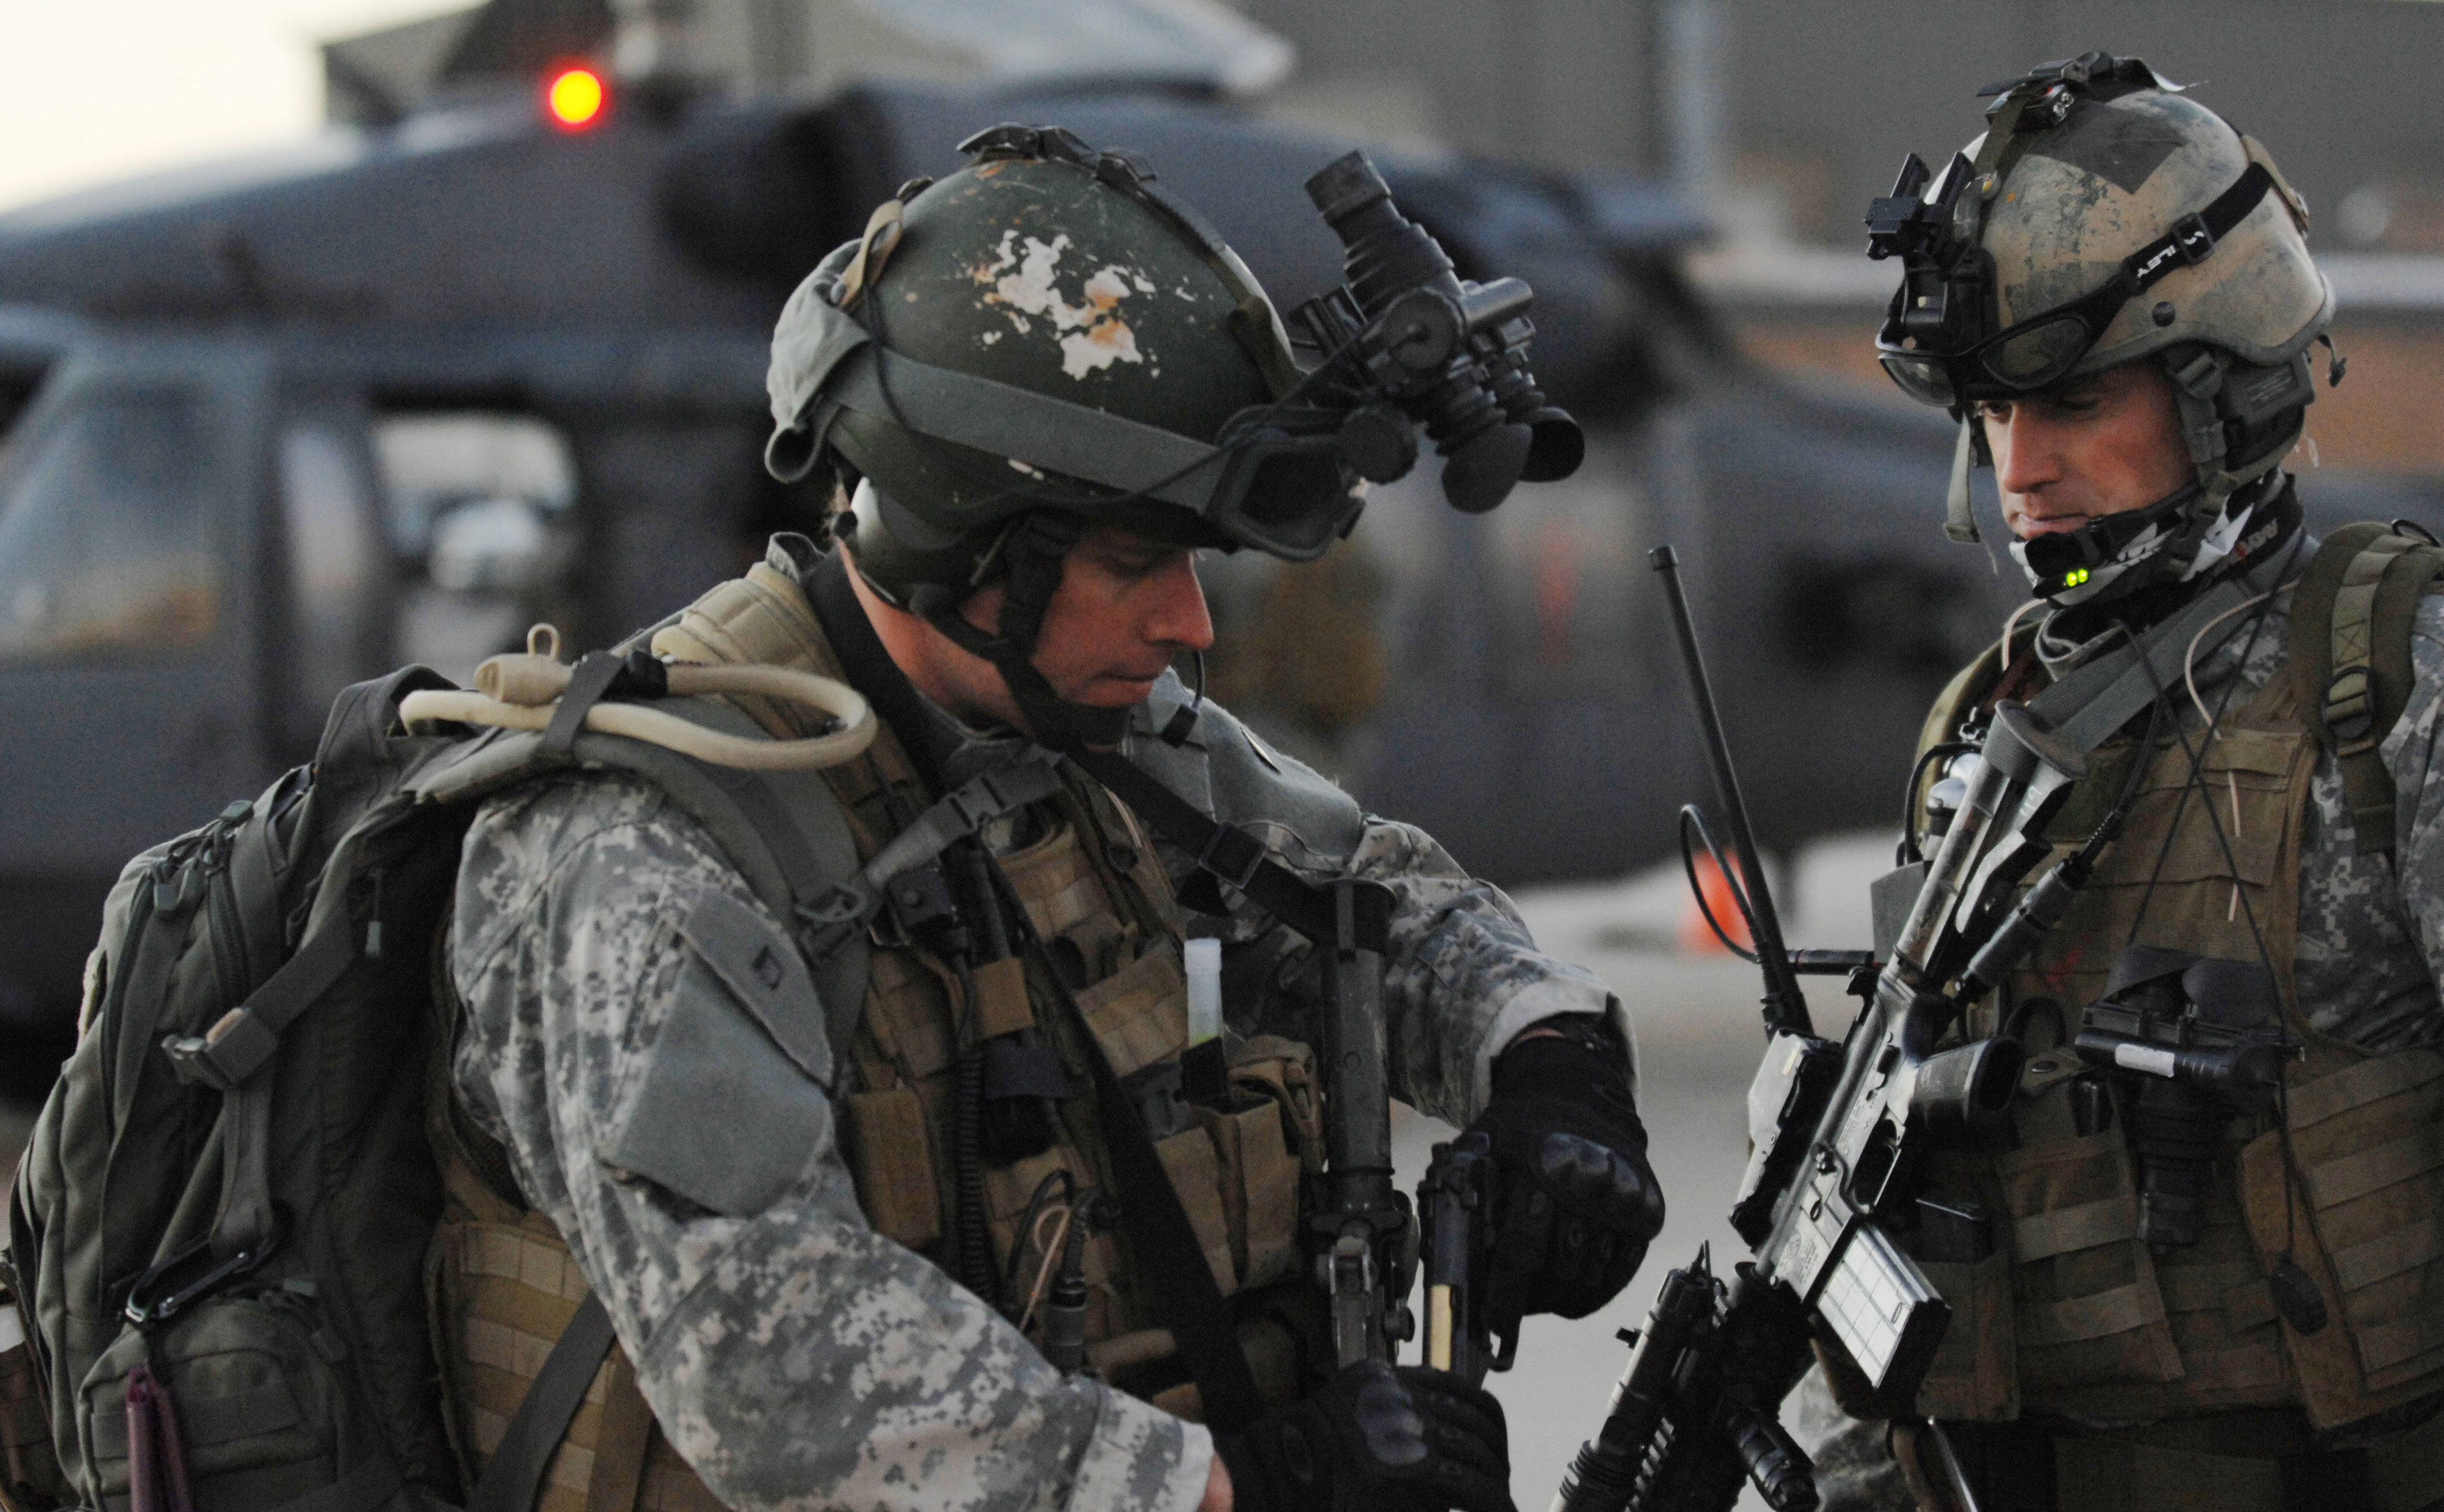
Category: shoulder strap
[1229,853]
[2350,654]
[515,1473]
[2100,697]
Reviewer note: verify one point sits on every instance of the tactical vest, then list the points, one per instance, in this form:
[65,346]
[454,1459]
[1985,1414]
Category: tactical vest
[2073,1316]
[503,1283]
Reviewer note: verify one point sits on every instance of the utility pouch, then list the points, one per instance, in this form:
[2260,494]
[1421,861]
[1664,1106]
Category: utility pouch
[1975,1377]
[258,1400]
[1010,1191]
[2088,1308]
[1190,1159]
[2369,1139]
[30,1478]
[891,1157]
[1139,1013]
[1260,1187]
[1283,1070]
[1056,882]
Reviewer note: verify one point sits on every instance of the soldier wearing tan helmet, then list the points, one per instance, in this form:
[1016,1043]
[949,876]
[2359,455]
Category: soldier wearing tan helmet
[2183,1285]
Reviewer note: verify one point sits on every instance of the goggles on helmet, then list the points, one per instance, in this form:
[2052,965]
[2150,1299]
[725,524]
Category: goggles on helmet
[1284,478]
[1923,343]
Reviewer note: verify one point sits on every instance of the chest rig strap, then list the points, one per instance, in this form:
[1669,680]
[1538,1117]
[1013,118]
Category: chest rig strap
[2094,701]
[1229,853]
[957,816]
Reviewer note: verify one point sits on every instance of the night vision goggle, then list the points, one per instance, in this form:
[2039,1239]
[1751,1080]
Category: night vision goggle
[1930,342]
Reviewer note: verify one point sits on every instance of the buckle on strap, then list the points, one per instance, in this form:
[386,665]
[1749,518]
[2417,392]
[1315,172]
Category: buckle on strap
[1233,855]
[173,1286]
[2350,704]
[2193,238]
[988,798]
[833,919]
[224,1056]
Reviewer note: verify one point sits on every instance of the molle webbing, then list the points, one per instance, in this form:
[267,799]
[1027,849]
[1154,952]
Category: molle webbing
[2350,653]
[508,1295]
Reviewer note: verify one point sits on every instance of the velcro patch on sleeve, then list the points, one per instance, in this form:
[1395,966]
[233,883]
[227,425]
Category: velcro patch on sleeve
[732,1104]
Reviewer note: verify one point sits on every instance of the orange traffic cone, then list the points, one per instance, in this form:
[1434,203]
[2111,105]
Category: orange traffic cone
[1716,888]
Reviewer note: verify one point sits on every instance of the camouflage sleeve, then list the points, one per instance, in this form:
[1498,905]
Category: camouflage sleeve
[796,1358]
[2401,1009]
[1856,1471]
[1464,975]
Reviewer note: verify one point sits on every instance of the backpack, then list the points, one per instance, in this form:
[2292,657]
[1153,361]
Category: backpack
[218,1234]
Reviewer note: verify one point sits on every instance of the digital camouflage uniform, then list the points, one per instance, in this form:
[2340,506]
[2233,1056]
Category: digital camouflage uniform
[795,1357]
[2370,942]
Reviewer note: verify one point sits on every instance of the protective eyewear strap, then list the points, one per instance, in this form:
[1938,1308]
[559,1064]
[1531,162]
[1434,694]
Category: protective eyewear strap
[2191,238]
[1072,439]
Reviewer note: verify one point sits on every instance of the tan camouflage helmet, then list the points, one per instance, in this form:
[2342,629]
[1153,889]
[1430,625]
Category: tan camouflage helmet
[2104,217]
[2115,177]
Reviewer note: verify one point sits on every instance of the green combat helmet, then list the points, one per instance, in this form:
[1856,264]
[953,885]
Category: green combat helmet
[1047,337]
[2104,218]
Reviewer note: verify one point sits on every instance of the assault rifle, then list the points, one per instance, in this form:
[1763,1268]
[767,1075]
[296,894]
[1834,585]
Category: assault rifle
[1831,1202]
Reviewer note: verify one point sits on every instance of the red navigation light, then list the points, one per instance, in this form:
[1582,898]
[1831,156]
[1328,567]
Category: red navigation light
[574,99]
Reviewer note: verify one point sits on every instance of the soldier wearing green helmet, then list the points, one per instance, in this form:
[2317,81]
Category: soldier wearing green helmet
[2186,1283]
[1030,1235]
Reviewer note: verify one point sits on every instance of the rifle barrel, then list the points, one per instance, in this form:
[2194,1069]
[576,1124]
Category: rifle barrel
[1786,1005]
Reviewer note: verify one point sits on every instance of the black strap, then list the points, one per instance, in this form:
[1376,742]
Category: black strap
[510,1482]
[236,1047]
[588,681]
[869,665]
[1230,854]
[1072,439]
[2194,235]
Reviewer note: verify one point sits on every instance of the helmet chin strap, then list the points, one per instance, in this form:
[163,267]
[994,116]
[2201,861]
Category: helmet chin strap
[1034,552]
[2187,534]
[2183,534]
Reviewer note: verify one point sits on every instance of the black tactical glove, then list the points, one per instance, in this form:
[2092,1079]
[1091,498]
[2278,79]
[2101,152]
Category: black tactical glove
[1378,1438]
[1575,1198]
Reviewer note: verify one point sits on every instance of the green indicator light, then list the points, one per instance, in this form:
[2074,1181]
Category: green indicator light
[2074,577]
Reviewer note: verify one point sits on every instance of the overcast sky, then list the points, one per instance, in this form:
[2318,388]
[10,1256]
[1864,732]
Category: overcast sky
[92,90]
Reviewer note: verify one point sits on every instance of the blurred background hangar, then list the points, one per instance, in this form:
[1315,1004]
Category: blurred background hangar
[488,347]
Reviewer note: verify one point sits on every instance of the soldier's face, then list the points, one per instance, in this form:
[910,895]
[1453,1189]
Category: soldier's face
[2102,445]
[1126,607]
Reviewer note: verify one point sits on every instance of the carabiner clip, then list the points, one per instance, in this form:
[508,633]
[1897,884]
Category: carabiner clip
[147,1314]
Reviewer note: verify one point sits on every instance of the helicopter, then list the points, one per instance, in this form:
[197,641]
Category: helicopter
[392,394]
